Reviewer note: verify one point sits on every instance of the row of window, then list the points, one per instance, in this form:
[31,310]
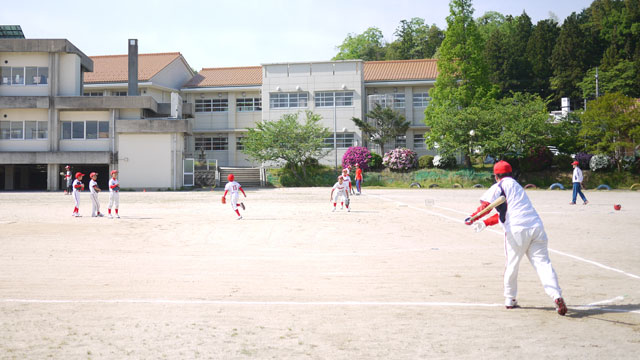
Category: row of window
[24,130]
[24,75]
[100,93]
[222,105]
[221,142]
[85,130]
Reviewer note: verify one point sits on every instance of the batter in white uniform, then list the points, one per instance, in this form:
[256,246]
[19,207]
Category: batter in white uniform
[233,187]
[524,235]
[93,194]
[341,190]
[77,187]
[114,193]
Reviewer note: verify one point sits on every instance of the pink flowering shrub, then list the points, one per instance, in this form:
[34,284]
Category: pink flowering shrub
[400,159]
[356,155]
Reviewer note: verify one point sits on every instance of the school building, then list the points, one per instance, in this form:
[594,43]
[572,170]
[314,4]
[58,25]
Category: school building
[60,107]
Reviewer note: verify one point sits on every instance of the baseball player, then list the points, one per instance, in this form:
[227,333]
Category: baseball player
[77,187]
[114,193]
[358,179]
[69,180]
[341,190]
[234,187]
[577,184]
[347,179]
[524,235]
[93,194]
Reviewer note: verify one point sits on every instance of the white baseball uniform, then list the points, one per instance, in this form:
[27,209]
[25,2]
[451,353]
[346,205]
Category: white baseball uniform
[524,235]
[340,190]
[114,193]
[76,192]
[233,187]
[68,178]
[95,202]
[347,179]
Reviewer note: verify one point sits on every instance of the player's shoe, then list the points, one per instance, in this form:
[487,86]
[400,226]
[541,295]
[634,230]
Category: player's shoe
[585,202]
[341,207]
[334,209]
[239,217]
[242,206]
[510,303]
[110,216]
[118,216]
[572,203]
[100,215]
[348,209]
[561,307]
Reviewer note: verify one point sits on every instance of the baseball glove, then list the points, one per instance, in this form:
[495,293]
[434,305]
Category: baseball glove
[242,206]
[224,200]
[347,201]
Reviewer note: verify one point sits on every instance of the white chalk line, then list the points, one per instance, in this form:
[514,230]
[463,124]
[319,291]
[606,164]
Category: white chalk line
[502,234]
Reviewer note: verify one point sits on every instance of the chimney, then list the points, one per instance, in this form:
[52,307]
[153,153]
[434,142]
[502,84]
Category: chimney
[133,68]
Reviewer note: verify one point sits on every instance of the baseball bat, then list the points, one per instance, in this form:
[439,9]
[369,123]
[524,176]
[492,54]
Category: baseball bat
[484,211]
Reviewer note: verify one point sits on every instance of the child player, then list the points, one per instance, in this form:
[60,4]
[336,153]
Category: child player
[234,187]
[94,190]
[114,193]
[341,190]
[77,187]
[347,179]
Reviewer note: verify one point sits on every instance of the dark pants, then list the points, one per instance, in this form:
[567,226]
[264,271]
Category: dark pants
[577,190]
[358,182]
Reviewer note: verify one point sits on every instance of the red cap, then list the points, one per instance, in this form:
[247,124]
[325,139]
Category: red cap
[78,174]
[230,177]
[502,167]
[93,173]
[575,163]
[67,167]
[114,172]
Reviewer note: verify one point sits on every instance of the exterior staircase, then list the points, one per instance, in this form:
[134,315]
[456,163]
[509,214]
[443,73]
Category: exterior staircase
[247,177]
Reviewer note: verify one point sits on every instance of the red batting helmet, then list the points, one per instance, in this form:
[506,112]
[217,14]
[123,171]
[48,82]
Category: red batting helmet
[67,167]
[93,173]
[114,172]
[230,177]
[79,174]
[502,167]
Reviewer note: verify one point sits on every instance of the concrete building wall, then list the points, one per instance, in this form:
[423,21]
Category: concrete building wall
[24,59]
[70,81]
[130,114]
[24,115]
[145,160]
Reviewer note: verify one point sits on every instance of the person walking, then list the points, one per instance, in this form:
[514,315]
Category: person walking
[577,184]
[524,234]
[358,179]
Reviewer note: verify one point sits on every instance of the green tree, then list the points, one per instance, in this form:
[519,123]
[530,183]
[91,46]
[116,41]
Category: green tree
[289,141]
[489,22]
[415,40]
[387,124]
[368,46]
[539,49]
[622,77]
[461,85]
[611,125]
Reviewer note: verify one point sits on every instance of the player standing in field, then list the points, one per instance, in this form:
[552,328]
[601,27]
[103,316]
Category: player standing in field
[341,190]
[69,180]
[93,194]
[77,187]
[347,179]
[114,193]
[523,235]
[233,187]
[358,179]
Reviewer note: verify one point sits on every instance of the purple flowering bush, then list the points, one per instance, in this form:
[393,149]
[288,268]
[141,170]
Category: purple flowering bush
[400,159]
[356,155]
[584,159]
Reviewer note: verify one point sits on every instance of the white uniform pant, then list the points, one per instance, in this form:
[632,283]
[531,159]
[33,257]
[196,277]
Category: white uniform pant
[95,204]
[114,199]
[76,198]
[339,194]
[531,242]
[233,199]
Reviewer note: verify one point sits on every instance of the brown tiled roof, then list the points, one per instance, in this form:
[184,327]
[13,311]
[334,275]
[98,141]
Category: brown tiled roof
[423,69]
[114,68]
[232,76]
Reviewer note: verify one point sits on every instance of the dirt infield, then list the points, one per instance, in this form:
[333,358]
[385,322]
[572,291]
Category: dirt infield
[399,277]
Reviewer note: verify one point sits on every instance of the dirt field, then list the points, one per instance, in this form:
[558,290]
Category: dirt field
[399,277]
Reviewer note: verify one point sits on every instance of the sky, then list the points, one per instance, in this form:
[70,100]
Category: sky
[241,33]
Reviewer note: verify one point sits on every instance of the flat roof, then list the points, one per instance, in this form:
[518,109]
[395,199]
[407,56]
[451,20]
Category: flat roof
[46,45]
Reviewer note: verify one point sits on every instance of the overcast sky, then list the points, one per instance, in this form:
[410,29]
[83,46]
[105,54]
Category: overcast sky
[240,33]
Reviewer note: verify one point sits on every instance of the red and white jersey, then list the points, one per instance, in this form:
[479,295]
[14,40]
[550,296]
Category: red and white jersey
[519,213]
[232,187]
[77,182]
[92,186]
[340,188]
[346,178]
[113,182]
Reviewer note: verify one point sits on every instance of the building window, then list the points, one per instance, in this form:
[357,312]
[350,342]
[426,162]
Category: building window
[418,141]
[239,144]
[401,141]
[398,101]
[36,130]
[343,140]
[36,75]
[20,75]
[212,143]
[421,100]
[326,98]
[118,93]
[248,104]
[85,130]
[212,105]
[22,130]
[288,100]
[5,130]
[93,93]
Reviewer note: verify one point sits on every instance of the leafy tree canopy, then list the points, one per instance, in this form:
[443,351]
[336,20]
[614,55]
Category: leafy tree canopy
[368,46]
[386,125]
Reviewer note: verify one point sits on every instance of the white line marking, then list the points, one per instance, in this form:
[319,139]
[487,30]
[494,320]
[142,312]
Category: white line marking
[608,301]
[502,234]
[230,302]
